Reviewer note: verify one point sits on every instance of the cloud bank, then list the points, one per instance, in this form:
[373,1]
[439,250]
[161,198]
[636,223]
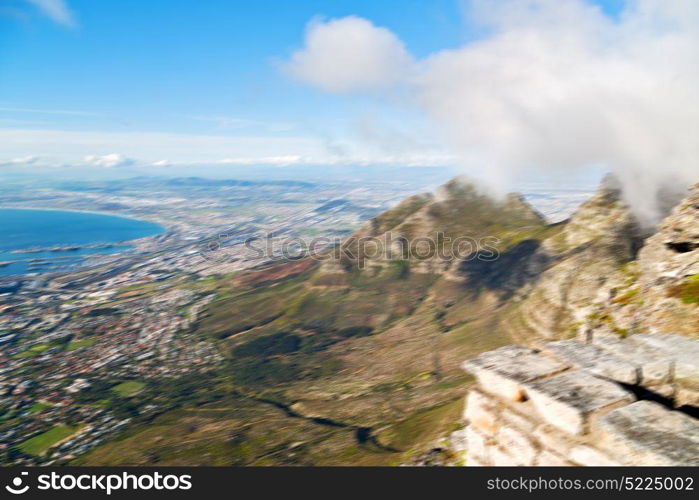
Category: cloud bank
[159,149]
[552,86]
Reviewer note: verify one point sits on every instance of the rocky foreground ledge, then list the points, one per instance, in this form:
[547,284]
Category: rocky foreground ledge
[613,401]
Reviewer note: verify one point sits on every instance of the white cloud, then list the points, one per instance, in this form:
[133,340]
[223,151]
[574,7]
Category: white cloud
[349,54]
[555,85]
[161,163]
[265,160]
[111,160]
[63,147]
[57,10]
[18,162]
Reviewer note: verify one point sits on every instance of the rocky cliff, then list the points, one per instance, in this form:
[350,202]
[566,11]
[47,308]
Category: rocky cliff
[626,392]
[607,275]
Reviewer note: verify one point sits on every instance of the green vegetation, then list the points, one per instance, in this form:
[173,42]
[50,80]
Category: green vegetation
[103,311]
[95,392]
[630,271]
[422,427]
[285,357]
[77,344]
[33,351]
[128,388]
[355,331]
[240,430]
[269,345]
[402,268]
[688,291]
[388,220]
[262,372]
[38,407]
[627,297]
[38,445]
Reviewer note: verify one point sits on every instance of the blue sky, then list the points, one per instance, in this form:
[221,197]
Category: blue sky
[181,81]
[207,67]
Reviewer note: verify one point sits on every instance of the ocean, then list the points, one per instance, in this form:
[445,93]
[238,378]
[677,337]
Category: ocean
[22,229]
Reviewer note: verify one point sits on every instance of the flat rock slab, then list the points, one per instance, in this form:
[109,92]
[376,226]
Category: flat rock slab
[648,433]
[593,359]
[683,350]
[568,401]
[655,366]
[502,371]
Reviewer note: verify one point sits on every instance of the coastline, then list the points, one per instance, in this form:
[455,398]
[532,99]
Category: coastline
[165,225]
[134,243]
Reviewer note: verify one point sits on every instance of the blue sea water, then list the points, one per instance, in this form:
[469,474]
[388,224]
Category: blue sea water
[26,229]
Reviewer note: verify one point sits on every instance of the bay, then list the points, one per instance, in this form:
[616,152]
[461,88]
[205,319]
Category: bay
[29,229]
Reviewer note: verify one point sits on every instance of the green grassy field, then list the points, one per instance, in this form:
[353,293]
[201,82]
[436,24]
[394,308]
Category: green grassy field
[38,407]
[38,445]
[33,351]
[246,432]
[77,344]
[128,388]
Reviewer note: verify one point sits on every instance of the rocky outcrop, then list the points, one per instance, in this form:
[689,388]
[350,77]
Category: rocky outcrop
[607,276]
[574,403]
[626,392]
[668,268]
[585,259]
[425,230]
[659,291]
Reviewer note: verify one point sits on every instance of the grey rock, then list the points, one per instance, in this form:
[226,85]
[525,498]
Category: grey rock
[655,366]
[683,350]
[649,434]
[593,359]
[568,401]
[504,370]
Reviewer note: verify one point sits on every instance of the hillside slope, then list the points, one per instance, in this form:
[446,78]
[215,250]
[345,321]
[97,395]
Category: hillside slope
[354,357]
[363,346]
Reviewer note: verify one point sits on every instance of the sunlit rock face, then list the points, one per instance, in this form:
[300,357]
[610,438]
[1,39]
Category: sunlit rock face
[668,266]
[608,274]
[585,256]
[600,403]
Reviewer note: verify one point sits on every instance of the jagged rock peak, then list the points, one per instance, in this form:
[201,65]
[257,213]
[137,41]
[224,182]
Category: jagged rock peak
[457,187]
[396,215]
[461,189]
[672,254]
[605,216]
[679,232]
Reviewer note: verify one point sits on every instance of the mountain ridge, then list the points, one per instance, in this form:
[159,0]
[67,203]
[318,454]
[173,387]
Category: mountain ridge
[374,340]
